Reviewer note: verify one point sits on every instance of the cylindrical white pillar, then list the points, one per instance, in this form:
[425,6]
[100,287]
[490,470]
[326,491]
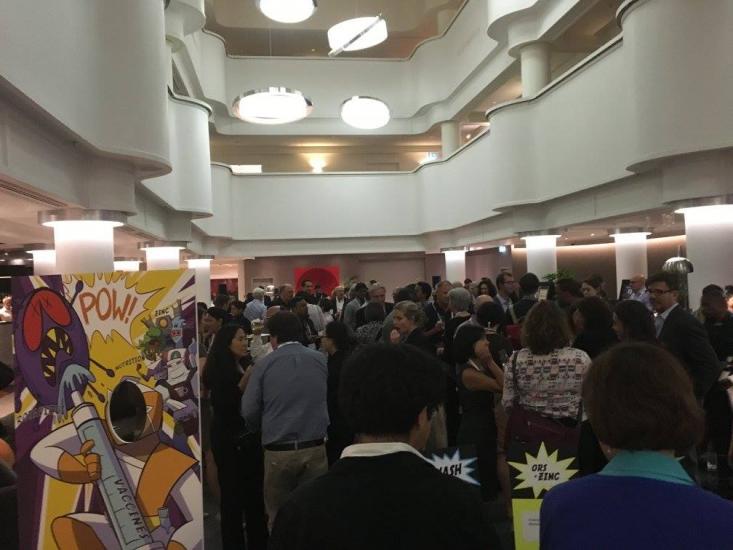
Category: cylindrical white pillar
[535,63]
[631,257]
[455,264]
[84,239]
[241,279]
[162,254]
[541,254]
[44,258]
[202,267]
[450,135]
[709,231]
[127,264]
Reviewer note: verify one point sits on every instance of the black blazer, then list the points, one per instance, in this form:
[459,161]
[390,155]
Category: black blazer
[685,337]
[360,320]
[418,339]
[394,501]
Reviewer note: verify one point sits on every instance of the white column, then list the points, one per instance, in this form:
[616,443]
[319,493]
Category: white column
[127,265]
[44,261]
[202,267]
[450,136]
[541,254]
[455,265]
[241,280]
[83,239]
[631,257]
[709,232]
[162,254]
[84,246]
[535,62]
[163,257]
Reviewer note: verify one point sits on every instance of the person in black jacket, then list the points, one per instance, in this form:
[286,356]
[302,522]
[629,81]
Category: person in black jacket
[337,343]
[238,454]
[593,322]
[407,321]
[382,493]
[682,334]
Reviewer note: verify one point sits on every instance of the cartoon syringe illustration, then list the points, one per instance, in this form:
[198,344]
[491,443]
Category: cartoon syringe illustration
[53,356]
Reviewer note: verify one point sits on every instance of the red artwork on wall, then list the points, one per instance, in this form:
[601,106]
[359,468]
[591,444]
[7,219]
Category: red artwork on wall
[327,277]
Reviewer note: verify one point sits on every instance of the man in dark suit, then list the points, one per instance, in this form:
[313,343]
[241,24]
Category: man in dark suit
[378,295]
[382,493]
[682,334]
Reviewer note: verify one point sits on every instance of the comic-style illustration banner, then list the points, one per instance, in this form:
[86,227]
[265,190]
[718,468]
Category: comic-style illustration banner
[458,462]
[107,412]
[535,469]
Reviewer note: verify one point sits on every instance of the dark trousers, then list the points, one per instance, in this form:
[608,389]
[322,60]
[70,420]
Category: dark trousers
[240,465]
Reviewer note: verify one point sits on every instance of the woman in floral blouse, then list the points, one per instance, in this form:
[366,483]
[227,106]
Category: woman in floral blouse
[546,373]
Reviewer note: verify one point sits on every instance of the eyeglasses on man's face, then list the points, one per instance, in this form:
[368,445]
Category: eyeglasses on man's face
[658,291]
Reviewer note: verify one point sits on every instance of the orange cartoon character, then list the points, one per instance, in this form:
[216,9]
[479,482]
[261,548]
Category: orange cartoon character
[138,476]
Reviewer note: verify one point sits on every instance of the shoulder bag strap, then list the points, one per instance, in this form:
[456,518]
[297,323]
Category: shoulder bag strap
[515,400]
[513,314]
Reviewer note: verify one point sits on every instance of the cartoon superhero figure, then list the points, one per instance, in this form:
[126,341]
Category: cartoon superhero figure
[153,475]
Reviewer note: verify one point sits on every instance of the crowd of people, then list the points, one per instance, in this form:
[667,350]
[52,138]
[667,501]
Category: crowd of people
[322,403]
[316,408]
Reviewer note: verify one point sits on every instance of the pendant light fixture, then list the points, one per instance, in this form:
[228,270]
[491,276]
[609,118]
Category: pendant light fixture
[287,11]
[273,105]
[366,113]
[359,33]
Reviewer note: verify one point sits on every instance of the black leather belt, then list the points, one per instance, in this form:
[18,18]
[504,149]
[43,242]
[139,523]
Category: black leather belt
[293,445]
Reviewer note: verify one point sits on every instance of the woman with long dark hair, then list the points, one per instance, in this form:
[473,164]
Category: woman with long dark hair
[337,343]
[633,322]
[593,320]
[237,453]
[478,378]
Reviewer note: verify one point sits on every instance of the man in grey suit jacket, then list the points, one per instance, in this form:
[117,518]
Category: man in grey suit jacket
[285,399]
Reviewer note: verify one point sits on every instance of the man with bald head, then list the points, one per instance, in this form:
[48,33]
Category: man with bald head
[285,298]
[639,291]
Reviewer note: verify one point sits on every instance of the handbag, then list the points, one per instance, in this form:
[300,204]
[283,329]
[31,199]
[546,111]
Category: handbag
[529,428]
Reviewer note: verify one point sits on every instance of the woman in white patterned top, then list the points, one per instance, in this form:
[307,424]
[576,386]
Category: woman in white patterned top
[546,373]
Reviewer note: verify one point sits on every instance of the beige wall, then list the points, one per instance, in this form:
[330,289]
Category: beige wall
[354,159]
[393,270]
[487,263]
[585,260]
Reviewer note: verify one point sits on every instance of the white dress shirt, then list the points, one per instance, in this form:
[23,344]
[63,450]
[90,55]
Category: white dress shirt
[378,449]
[661,318]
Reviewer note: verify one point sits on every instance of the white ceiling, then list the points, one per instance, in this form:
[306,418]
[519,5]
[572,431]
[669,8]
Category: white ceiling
[248,32]
[595,27]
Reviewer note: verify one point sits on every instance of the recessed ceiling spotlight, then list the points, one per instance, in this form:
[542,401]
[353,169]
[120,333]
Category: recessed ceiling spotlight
[468,136]
[366,113]
[359,33]
[273,105]
[287,11]
[592,234]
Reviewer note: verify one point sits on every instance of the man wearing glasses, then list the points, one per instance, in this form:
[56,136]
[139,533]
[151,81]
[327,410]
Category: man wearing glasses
[682,334]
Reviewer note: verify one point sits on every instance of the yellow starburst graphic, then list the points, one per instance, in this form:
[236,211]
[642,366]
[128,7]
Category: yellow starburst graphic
[542,472]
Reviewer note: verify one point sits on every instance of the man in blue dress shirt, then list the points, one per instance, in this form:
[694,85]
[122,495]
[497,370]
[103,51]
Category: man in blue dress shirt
[285,399]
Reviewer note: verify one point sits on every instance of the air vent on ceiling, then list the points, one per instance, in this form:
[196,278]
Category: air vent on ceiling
[28,194]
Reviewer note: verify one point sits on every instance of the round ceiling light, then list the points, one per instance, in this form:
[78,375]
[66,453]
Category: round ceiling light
[366,113]
[272,106]
[359,33]
[287,11]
